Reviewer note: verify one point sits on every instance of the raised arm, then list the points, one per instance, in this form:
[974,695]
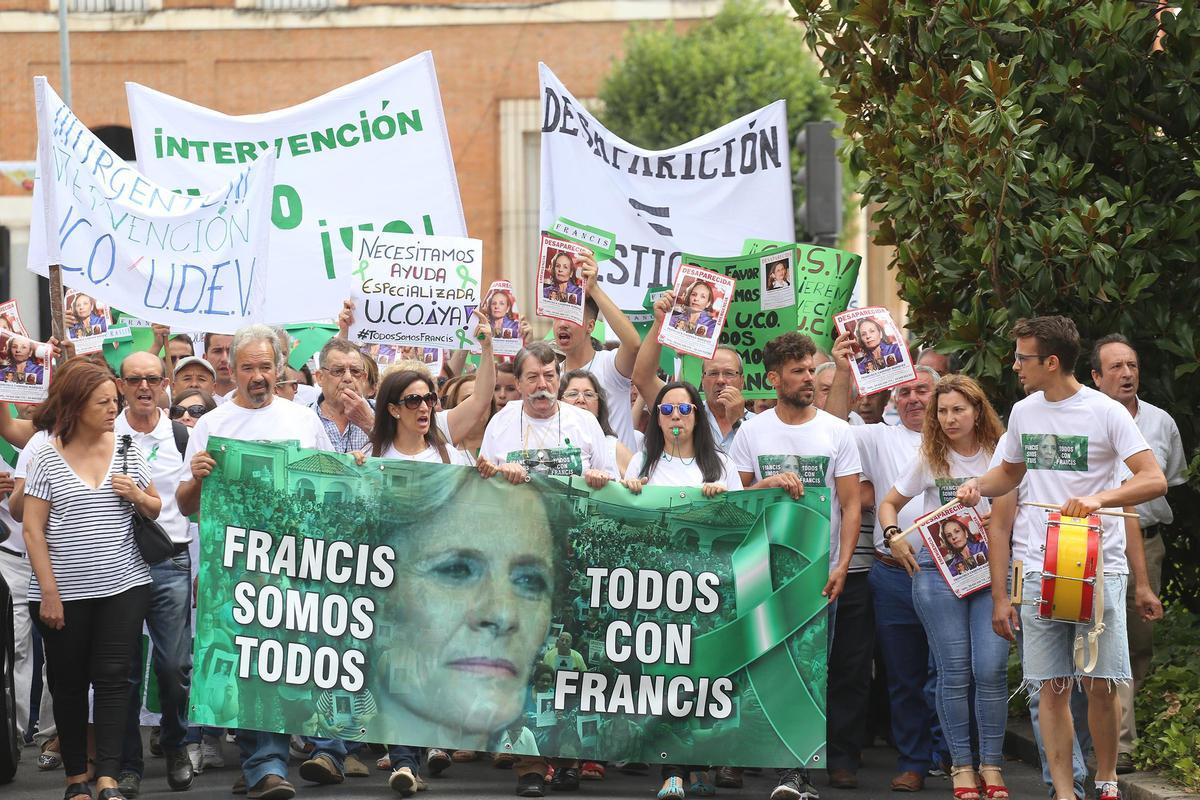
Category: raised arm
[462,418]
[645,368]
[842,389]
[618,323]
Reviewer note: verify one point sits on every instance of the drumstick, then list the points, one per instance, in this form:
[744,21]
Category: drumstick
[1111,512]
[916,525]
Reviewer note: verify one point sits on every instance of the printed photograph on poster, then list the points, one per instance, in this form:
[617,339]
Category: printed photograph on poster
[701,303]
[500,307]
[958,544]
[10,318]
[387,355]
[24,368]
[776,274]
[88,322]
[880,357]
[561,293]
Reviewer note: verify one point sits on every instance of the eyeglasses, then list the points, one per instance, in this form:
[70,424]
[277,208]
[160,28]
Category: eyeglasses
[195,411]
[727,374]
[355,372]
[667,409]
[1021,358]
[586,394]
[151,380]
[413,401]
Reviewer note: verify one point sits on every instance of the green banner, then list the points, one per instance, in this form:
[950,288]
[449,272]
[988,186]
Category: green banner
[419,604]
[820,281]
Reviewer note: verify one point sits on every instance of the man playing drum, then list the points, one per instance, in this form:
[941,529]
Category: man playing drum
[1092,435]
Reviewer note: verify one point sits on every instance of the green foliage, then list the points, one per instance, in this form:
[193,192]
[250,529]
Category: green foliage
[673,86]
[1034,157]
[1168,704]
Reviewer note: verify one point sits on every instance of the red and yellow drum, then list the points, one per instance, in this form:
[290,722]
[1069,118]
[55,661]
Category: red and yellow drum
[1069,568]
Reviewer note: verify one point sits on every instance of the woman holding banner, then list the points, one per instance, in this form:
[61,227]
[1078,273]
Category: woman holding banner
[960,434]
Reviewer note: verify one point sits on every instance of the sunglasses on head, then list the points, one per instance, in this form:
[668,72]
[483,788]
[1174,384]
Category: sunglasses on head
[413,401]
[667,409]
[195,411]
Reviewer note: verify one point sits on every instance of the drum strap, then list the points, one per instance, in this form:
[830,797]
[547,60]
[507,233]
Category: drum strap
[1087,662]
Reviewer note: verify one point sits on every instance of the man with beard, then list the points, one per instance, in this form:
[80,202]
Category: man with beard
[797,447]
[886,451]
[254,413]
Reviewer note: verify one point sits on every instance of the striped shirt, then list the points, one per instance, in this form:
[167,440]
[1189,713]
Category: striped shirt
[89,532]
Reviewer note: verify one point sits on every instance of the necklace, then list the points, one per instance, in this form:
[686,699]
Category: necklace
[541,441]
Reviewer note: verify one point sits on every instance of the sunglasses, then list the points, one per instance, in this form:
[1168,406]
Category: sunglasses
[413,401]
[667,409]
[195,411]
[151,380]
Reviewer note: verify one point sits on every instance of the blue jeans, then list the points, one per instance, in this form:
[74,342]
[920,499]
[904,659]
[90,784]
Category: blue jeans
[1083,737]
[263,753]
[170,622]
[905,652]
[401,755]
[964,646]
[336,749]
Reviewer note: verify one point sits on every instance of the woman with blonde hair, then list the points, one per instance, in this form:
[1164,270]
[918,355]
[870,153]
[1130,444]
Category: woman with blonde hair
[958,440]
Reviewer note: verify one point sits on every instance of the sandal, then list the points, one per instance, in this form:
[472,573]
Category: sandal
[964,792]
[50,758]
[77,790]
[993,791]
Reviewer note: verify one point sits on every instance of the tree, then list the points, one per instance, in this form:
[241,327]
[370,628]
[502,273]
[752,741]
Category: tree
[1034,157]
[673,86]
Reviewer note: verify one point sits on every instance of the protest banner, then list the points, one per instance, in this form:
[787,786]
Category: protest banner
[415,290]
[561,289]
[306,340]
[957,542]
[702,300]
[25,368]
[707,195]
[370,156]
[500,307]
[880,355]
[191,262]
[370,598]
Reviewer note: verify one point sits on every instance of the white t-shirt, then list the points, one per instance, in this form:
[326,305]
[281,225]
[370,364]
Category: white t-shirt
[617,389]
[819,451]
[1162,434]
[671,471]
[929,493]
[431,455]
[167,467]
[1019,542]
[279,420]
[1071,448]
[16,542]
[511,431]
[886,451]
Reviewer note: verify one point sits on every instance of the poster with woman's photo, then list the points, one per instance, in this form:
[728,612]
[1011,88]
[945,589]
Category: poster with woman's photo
[500,308]
[561,291]
[24,368]
[880,357]
[775,275]
[958,544]
[89,322]
[701,303]
[10,318]
[388,355]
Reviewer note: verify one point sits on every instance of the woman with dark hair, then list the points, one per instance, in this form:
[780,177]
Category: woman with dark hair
[404,422]
[697,315]
[580,387]
[562,285]
[189,405]
[878,352]
[90,587]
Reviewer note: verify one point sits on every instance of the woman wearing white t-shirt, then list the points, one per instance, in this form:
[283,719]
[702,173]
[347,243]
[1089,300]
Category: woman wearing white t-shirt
[959,436]
[580,387]
[404,422]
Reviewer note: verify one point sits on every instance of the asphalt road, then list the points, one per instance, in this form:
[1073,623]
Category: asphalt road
[480,780]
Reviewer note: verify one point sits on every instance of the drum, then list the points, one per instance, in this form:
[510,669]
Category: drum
[1069,568]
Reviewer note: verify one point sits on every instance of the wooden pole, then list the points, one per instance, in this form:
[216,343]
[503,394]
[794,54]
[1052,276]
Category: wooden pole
[58,327]
[1109,512]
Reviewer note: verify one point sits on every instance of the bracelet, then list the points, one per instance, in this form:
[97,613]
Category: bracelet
[889,533]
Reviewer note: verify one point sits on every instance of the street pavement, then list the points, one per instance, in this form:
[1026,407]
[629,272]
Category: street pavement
[480,780]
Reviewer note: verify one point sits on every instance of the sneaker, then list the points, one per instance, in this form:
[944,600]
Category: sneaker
[155,745]
[531,785]
[179,770]
[1125,764]
[591,771]
[437,761]
[321,769]
[403,781]
[196,757]
[672,789]
[794,785]
[1107,790]
[272,787]
[353,768]
[210,751]
[728,778]
[129,784]
[565,780]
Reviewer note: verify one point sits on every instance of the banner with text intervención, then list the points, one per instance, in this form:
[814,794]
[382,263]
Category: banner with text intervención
[387,603]
[194,262]
[706,196]
[370,156]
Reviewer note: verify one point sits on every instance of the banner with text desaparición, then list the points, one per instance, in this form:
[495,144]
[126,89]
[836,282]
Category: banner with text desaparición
[194,262]
[705,196]
[388,603]
[373,155]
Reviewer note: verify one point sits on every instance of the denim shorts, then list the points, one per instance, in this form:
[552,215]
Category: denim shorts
[1049,645]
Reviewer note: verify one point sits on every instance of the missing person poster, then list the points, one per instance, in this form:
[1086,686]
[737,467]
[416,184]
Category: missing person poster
[500,308]
[89,322]
[958,544]
[386,356]
[24,367]
[10,318]
[415,290]
[777,277]
[664,627]
[702,299]
[562,290]
[880,357]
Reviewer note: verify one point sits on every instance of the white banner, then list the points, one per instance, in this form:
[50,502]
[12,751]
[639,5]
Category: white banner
[372,155]
[191,262]
[706,196]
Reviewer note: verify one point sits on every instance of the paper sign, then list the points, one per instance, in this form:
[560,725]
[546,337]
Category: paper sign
[702,300]
[958,544]
[500,308]
[10,318]
[24,368]
[415,290]
[880,358]
[561,290]
[88,322]
[603,244]
[777,280]
[386,355]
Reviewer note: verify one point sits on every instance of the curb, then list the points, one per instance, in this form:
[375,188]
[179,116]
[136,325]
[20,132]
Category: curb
[1019,744]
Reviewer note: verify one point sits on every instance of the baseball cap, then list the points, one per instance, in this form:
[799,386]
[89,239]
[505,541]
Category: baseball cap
[183,362]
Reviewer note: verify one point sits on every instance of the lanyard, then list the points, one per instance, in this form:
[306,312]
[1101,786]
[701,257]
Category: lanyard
[525,433]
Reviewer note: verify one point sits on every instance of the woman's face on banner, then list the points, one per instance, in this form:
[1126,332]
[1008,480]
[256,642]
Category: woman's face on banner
[20,349]
[1047,451]
[869,334]
[562,268]
[498,305]
[955,533]
[82,307]
[699,298]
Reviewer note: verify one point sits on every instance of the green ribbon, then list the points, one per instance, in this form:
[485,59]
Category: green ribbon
[767,616]
[465,277]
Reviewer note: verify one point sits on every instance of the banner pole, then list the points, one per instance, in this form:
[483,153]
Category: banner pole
[58,327]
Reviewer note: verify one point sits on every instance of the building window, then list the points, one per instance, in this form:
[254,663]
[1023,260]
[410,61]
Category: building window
[295,6]
[109,6]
